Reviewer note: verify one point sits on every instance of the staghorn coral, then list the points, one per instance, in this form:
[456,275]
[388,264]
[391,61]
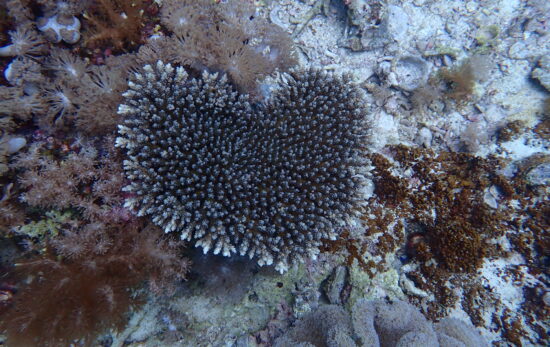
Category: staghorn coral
[268,182]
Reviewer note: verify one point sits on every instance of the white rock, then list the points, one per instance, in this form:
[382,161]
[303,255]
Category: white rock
[410,73]
[15,144]
[542,72]
[424,137]
[397,23]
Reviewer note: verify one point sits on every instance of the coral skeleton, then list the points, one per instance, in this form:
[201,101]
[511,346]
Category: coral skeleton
[269,182]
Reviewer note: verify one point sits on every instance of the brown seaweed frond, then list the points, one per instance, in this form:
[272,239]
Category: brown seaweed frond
[461,80]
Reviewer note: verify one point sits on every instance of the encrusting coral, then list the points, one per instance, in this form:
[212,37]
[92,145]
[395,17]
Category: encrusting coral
[269,182]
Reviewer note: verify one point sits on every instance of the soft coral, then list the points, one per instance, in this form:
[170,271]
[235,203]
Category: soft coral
[82,287]
[115,22]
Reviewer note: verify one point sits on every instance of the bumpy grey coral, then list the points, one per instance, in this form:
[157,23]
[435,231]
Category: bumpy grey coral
[268,181]
[329,325]
[378,323]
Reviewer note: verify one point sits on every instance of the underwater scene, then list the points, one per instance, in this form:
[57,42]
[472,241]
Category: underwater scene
[286,173]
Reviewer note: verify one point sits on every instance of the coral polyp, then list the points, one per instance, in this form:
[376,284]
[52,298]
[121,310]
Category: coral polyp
[267,181]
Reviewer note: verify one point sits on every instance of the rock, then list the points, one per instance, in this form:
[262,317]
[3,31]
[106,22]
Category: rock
[520,50]
[376,25]
[542,72]
[15,144]
[491,197]
[410,73]
[335,284]
[539,175]
[546,298]
[424,137]
[396,23]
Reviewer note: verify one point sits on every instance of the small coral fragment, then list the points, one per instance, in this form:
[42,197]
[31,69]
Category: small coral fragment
[60,28]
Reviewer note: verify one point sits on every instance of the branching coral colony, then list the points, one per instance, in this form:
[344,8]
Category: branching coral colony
[268,182]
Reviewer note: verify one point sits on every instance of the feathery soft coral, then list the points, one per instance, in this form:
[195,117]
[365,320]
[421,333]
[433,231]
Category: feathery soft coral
[24,41]
[84,285]
[114,22]
[83,180]
[83,95]
[228,37]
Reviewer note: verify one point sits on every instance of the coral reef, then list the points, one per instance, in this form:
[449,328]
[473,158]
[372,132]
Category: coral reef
[269,182]
[377,323]
[450,232]
[85,263]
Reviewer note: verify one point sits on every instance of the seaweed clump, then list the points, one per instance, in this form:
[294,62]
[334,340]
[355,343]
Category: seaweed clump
[268,182]
[456,84]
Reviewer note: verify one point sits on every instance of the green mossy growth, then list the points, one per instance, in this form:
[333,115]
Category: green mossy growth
[46,228]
